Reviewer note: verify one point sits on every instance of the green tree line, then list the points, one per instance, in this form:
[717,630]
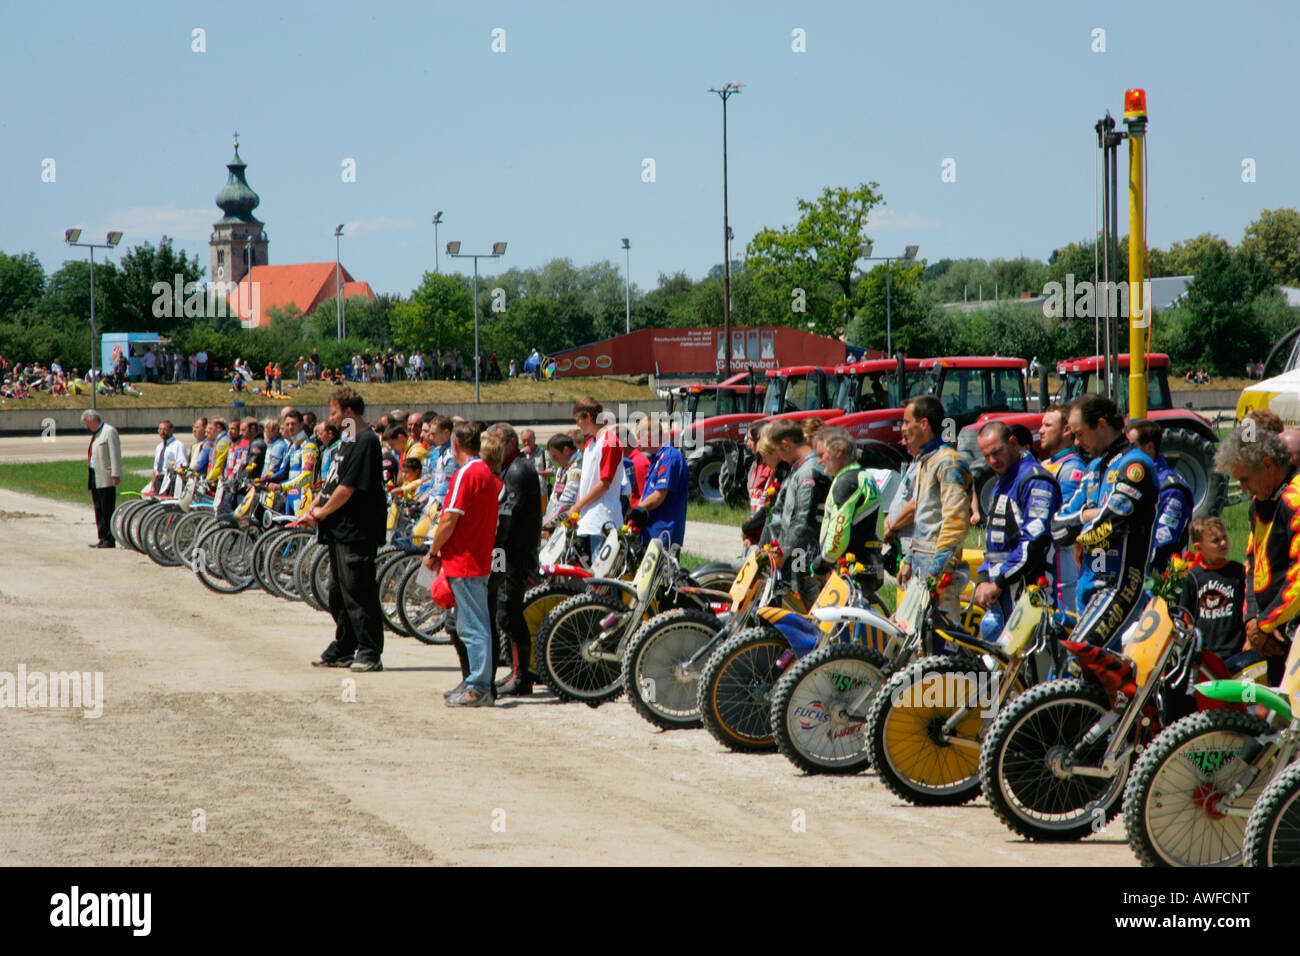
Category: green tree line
[810,275]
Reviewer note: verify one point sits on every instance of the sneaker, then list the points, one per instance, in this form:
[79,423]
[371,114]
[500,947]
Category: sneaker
[361,667]
[333,662]
[454,691]
[470,698]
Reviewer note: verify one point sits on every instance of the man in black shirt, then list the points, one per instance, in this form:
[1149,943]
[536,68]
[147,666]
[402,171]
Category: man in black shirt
[519,533]
[351,514]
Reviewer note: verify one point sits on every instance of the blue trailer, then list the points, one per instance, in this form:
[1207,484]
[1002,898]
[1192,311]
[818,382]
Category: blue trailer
[134,345]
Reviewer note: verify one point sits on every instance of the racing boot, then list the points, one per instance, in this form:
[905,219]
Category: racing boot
[518,683]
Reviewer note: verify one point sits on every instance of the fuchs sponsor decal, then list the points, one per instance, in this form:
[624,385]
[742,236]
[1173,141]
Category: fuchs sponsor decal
[811,715]
[563,365]
[581,362]
[604,361]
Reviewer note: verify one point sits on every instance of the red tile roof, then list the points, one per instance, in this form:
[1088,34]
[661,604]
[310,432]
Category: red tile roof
[305,286]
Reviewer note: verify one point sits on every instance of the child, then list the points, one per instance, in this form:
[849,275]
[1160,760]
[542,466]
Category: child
[1215,592]
[409,474]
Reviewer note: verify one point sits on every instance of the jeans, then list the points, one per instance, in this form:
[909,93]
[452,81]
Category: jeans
[594,542]
[474,629]
[993,621]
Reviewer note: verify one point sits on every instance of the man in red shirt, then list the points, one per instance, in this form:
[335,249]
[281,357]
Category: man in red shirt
[462,550]
[640,465]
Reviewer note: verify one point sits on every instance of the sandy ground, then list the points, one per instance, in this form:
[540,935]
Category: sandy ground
[210,705]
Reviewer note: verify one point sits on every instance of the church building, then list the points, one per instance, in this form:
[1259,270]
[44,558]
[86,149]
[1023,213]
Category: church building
[240,261]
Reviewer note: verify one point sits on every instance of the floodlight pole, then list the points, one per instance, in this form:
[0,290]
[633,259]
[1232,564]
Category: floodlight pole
[726,93]
[889,318]
[338,281]
[92,246]
[476,256]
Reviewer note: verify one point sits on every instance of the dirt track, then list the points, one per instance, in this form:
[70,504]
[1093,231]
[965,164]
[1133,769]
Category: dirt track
[210,704]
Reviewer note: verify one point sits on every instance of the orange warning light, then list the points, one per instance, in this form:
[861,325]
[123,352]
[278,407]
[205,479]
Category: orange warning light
[1135,103]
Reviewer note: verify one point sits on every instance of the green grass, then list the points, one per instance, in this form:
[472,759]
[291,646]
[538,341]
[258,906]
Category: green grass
[715,514]
[64,480]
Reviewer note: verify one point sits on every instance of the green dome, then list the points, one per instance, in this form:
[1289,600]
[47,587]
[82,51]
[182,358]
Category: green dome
[237,200]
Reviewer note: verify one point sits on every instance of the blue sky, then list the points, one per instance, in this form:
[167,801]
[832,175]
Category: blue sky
[543,145]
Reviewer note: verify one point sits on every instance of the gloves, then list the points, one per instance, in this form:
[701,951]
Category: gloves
[640,517]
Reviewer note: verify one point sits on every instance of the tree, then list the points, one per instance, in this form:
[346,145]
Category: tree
[1012,277]
[140,270]
[962,279]
[367,320]
[1077,259]
[1221,331]
[1275,238]
[437,315]
[899,300]
[811,268]
[1185,258]
[22,283]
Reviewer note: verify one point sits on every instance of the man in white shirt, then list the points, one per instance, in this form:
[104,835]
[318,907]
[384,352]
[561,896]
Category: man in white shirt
[168,454]
[599,490]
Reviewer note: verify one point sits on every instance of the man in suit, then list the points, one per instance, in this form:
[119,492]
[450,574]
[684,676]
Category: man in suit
[105,460]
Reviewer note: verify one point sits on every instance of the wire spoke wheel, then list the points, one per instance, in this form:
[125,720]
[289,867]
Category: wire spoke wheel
[657,674]
[423,620]
[735,689]
[914,755]
[1022,765]
[811,718]
[565,645]
[1172,805]
[1273,831]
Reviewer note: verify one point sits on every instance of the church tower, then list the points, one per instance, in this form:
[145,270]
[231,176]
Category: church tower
[238,240]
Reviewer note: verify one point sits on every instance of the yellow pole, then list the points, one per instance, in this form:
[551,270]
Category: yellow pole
[1135,118]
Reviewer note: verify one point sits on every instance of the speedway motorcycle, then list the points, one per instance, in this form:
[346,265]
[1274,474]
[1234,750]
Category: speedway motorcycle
[1055,762]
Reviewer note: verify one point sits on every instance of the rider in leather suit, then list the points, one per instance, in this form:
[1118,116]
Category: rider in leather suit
[1112,516]
[1018,540]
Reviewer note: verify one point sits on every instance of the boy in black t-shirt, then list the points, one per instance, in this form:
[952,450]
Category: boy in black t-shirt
[1215,592]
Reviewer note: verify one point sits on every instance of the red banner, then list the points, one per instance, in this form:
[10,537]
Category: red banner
[698,352]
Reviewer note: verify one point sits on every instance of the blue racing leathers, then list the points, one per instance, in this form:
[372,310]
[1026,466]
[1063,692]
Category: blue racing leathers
[1069,468]
[1116,542]
[1018,545]
[1173,515]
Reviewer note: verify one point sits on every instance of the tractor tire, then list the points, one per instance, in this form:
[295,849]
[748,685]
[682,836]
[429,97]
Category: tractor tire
[706,477]
[1192,456]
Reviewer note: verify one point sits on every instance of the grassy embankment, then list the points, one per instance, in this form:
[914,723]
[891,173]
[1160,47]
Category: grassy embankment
[404,394]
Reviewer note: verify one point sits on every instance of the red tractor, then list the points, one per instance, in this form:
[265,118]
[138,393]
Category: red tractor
[1189,438]
[739,394]
[798,391]
[1188,442]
